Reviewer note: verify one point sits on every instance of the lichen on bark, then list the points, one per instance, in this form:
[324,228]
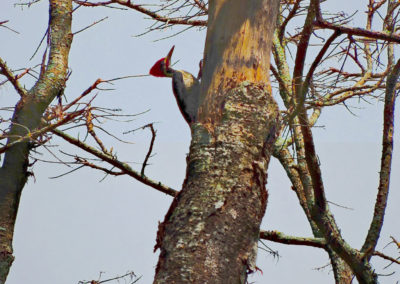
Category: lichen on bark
[214,221]
[26,119]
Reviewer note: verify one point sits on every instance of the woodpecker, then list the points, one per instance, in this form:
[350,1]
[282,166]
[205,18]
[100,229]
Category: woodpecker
[185,86]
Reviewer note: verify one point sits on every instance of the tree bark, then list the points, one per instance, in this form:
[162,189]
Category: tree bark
[211,230]
[27,117]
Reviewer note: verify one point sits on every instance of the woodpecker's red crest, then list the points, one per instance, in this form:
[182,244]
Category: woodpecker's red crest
[160,68]
[185,86]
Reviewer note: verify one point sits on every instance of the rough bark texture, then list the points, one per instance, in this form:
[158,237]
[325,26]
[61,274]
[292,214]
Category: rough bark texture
[386,162]
[27,117]
[341,271]
[211,231]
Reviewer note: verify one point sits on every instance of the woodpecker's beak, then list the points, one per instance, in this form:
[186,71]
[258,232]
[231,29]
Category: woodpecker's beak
[168,57]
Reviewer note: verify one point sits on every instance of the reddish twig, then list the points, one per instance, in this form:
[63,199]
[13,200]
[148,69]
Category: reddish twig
[85,93]
[4,22]
[354,57]
[19,76]
[139,8]
[314,65]
[384,256]
[357,31]
[291,14]
[386,161]
[201,5]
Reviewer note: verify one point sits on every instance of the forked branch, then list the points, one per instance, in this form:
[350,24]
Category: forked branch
[12,78]
[386,161]
[141,9]
[112,160]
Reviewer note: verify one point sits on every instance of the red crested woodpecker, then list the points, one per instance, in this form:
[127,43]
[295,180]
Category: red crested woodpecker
[185,86]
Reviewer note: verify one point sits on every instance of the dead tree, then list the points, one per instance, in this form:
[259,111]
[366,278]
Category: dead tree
[211,231]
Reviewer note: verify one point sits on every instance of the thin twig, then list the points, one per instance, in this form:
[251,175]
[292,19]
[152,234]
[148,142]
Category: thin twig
[201,5]
[37,133]
[131,274]
[153,138]
[89,127]
[40,44]
[395,242]
[358,31]
[116,163]
[86,92]
[139,8]
[91,25]
[279,237]
[12,78]
[4,22]
[384,256]
[85,162]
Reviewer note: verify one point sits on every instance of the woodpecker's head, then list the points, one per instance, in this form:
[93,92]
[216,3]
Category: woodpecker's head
[162,67]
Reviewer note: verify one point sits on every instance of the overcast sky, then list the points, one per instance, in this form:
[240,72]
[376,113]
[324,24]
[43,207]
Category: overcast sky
[71,228]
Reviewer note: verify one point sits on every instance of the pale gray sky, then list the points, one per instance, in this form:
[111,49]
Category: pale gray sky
[71,228]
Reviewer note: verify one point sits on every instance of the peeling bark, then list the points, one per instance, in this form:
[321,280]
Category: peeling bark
[211,230]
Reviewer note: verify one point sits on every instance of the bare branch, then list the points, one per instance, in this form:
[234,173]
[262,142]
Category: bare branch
[91,25]
[33,135]
[291,14]
[130,274]
[19,76]
[139,8]
[86,163]
[94,86]
[153,138]
[386,161]
[275,236]
[282,84]
[292,171]
[358,31]
[28,3]
[395,242]
[316,62]
[4,26]
[301,97]
[89,127]
[384,256]
[303,47]
[12,78]
[40,43]
[85,93]
[116,163]
[201,5]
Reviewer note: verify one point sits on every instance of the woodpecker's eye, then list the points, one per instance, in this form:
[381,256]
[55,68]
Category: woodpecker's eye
[163,65]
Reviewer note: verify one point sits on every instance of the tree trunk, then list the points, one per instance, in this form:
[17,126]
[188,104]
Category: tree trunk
[27,117]
[211,230]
